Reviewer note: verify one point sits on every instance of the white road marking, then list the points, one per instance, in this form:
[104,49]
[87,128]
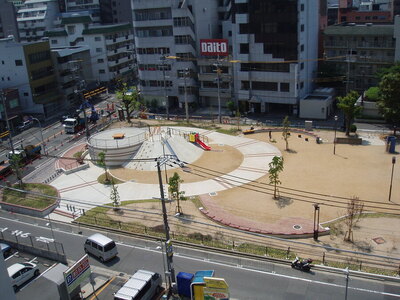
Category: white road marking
[11,256]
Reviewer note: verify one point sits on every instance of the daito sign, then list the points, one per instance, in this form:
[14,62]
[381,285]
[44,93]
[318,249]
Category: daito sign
[214,47]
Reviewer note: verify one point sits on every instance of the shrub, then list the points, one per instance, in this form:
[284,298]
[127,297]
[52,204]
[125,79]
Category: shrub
[353,128]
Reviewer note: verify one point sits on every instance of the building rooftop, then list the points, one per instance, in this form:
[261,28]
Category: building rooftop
[107,28]
[370,29]
[76,20]
[66,51]
[54,33]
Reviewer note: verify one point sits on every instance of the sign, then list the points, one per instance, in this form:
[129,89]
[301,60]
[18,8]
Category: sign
[215,289]
[168,248]
[214,47]
[77,273]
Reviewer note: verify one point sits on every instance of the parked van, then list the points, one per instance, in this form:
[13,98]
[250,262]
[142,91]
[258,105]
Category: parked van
[143,285]
[101,246]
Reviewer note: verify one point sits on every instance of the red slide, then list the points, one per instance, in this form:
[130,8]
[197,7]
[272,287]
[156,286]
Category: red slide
[202,145]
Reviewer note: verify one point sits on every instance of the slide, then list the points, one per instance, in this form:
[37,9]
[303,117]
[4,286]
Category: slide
[201,144]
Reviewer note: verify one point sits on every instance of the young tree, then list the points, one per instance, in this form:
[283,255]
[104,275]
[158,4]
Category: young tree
[16,165]
[231,106]
[285,131]
[348,105]
[129,99]
[275,167]
[355,208]
[114,196]
[389,91]
[102,163]
[173,189]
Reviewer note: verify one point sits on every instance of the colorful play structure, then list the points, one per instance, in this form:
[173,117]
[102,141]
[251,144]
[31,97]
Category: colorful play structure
[194,138]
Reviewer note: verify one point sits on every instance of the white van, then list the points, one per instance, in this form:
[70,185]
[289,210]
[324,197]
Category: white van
[143,285]
[101,246]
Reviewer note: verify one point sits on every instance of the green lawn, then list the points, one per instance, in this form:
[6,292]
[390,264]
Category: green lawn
[30,200]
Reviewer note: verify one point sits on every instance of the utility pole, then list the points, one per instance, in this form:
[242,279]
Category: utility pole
[186,102]
[219,71]
[163,58]
[3,99]
[168,244]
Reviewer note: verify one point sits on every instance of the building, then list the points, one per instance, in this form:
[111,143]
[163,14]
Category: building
[361,51]
[111,46]
[275,43]
[8,20]
[72,66]
[12,102]
[35,17]
[28,67]
[115,11]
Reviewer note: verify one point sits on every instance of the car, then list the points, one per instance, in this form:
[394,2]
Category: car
[5,249]
[20,273]
[25,125]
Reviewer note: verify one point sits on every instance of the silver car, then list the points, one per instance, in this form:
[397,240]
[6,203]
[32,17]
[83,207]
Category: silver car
[21,272]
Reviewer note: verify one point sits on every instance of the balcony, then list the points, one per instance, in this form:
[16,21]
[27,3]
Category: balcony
[119,40]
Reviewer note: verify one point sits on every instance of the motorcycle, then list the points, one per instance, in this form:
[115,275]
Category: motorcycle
[302,265]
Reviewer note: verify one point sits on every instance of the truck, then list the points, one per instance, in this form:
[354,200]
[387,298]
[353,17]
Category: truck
[74,125]
[27,153]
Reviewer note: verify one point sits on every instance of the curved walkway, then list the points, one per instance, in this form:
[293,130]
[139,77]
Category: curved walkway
[83,185]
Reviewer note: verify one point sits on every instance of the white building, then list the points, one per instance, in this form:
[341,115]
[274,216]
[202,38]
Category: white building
[28,67]
[111,46]
[35,17]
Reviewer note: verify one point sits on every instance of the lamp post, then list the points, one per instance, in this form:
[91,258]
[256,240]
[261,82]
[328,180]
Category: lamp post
[41,134]
[391,178]
[316,221]
[347,273]
[186,72]
[163,58]
[217,65]
[334,140]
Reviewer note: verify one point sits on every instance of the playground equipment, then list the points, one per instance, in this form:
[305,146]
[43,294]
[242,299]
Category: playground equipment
[194,138]
[249,131]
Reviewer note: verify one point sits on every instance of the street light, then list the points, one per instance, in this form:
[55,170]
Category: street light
[219,71]
[41,134]
[391,178]
[163,58]
[316,221]
[334,140]
[347,273]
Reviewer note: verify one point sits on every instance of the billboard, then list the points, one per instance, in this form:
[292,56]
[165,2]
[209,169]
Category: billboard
[77,273]
[214,47]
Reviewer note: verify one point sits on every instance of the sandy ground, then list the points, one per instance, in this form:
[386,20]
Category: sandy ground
[363,171]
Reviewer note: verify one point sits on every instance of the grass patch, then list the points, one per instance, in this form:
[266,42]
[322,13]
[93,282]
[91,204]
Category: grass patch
[197,202]
[28,199]
[78,154]
[102,179]
[231,131]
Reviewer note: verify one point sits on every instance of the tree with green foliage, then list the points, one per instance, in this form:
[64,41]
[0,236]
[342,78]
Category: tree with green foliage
[231,106]
[286,131]
[102,163]
[349,108]
[275,168]
[114,196]
[16,165]
[389,101]
[174,191]
[129,99]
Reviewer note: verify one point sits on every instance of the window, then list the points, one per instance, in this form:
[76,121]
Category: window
[302,7]
[100,60]
[71,29]
[54,42]
[284,87]
[26,94]
[39,57]
[244,48]
[245,85]
[302,66]
[2,62]
[302,27]
[99,50]
[8,78]
[102,71]
[2,78]
[264,86]
[97,38]
[302,48]
[18,62]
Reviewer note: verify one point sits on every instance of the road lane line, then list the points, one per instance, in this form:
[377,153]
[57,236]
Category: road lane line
[103,287]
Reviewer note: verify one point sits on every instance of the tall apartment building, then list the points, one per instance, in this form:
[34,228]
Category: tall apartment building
[8,20]
[111,46]
[361,51]
[276,44]
[28,68]
[272,47]
[35,17]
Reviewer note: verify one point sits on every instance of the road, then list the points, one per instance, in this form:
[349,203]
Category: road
[248,279]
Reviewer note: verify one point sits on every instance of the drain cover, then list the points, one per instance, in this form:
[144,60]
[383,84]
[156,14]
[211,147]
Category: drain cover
[297,227]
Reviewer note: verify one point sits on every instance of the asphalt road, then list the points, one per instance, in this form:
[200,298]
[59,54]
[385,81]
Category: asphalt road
[248,279]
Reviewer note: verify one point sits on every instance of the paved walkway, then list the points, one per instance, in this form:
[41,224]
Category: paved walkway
[82,189]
